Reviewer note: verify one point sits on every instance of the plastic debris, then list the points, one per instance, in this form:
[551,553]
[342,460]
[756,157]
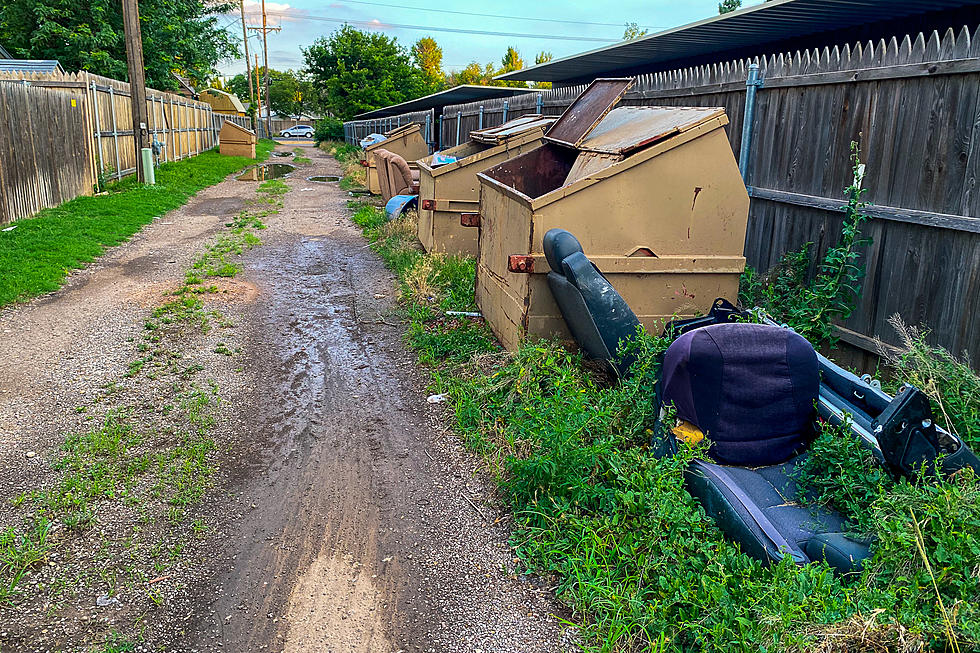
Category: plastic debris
[437,399]
[105,600]
[440,159]
[464,313]
[10,228]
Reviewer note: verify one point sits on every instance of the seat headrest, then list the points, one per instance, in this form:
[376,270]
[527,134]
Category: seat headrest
[559,243]
[750,388]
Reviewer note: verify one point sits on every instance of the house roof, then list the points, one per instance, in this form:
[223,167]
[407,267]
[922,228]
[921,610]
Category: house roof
[30,66]
[773,22]
[455,95]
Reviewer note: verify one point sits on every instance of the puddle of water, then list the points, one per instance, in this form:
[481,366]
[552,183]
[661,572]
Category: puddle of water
[282,154]
[324,178]
[267,171]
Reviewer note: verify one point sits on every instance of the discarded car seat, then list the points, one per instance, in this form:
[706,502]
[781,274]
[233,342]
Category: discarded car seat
[381,164]
[597,316]
[751,389]
[399,183]
[401,178]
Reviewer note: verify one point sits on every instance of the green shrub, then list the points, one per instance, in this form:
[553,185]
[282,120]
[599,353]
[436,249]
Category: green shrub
[328,129]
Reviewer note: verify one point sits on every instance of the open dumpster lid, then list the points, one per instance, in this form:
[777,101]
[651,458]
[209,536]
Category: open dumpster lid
[627,129]
[587,110]
[517,126]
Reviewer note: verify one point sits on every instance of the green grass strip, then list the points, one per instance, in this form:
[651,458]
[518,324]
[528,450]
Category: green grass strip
[36,256]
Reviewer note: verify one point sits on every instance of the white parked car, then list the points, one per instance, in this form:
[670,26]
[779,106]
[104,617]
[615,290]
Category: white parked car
[299,131]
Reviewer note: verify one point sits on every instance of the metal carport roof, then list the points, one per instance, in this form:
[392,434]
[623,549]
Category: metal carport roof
[770,22]
[30,66]
[456,95]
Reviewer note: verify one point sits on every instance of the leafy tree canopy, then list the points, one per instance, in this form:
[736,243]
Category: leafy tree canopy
[633,31]
[359,71]
[290,92]
[728,6]
[178,35]
[427,56]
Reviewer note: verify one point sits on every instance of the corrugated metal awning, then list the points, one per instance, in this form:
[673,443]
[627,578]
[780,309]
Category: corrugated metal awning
[771,22]
[457,95]
[30,66]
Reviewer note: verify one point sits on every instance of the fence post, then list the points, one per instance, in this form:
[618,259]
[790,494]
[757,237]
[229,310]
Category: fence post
[506,106]
[115,132]
[438,138]
[459,124]
[752,84]
[480,121]
[539,104]
[428,129]
[98,126]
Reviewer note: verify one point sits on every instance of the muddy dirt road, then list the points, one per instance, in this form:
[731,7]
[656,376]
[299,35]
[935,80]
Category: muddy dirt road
[347,518]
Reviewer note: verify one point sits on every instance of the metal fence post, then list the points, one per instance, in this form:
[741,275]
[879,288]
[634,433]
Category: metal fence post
[506,106]
[539,104]
[428,129]
[115,132]
[480,122]
[459,124]
[98,126]
[438,139]
[752,84]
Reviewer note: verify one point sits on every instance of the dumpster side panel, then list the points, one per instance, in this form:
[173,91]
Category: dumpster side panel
[501,295]
[458,191]
[425,215]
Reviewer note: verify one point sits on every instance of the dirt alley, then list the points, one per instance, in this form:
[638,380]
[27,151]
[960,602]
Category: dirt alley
[350,519]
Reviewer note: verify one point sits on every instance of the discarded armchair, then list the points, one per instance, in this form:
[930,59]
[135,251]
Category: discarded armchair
[399,182]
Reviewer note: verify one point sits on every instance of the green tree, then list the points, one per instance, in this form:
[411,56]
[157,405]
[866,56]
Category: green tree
[178,35]
[360,71]
[633,31]
[539,58]
[427,56]
[728,6]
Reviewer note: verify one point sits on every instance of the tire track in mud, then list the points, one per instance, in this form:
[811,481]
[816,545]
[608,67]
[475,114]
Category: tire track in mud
[356,532]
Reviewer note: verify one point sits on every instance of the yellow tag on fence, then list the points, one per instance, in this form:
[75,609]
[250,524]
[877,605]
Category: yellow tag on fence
[73,102]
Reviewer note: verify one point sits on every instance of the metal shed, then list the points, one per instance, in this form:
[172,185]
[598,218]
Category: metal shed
[405,141]
[446,191]
[653,194]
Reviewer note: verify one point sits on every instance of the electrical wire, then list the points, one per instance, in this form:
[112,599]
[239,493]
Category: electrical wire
[470,13]
[380,25]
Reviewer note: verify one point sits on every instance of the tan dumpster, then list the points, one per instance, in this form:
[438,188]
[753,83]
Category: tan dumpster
[235,140]
[446,191]
[653,194]
[405,141]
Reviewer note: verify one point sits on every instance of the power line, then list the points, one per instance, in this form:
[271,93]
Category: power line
[380,25]
[470,13]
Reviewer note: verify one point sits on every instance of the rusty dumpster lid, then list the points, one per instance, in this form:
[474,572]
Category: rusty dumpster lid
[511,128]
[587,110]
[627,129]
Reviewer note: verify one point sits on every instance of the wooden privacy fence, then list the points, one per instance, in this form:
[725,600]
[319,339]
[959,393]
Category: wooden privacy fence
[43,160]
[84,121]
[912,104]
[355,130]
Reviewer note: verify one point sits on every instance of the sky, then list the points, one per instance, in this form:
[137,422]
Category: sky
[582,26]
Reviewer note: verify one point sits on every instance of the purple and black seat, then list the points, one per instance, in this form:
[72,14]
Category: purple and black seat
[752,389]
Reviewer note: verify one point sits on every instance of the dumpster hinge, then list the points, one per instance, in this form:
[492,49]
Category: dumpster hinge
[469,219]
[520,263]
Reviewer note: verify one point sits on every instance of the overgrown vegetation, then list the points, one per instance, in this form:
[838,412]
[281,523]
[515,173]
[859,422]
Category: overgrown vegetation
[349,157]
[37,255]
[328,129]
[627,547]
[812,305]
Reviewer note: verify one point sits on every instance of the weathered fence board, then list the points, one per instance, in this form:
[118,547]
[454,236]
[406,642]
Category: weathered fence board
[913,104]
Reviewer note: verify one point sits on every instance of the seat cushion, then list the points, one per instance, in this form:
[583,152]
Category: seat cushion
[759,509]
[750,388]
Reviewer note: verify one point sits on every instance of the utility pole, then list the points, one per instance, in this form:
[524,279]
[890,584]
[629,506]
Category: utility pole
[248,63]
[258,97]
[265,29]
[137,82]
